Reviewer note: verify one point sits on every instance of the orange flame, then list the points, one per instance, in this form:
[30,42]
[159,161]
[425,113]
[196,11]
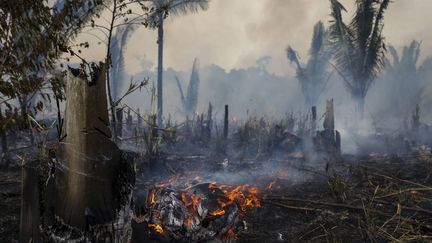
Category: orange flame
[246,197]
[191,201]
[156,228]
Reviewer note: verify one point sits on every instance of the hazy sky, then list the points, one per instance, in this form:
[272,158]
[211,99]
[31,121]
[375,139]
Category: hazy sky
[235,33]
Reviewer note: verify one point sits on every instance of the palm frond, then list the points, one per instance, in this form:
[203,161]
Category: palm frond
[179,7]
[192,92]
[118,47]
[175,7]
[341,41]
[293,57]
[317,39]
[359,49]
[394,55]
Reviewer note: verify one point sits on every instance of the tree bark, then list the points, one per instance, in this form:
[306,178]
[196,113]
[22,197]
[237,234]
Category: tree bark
[30,216]
[160,71]
[89,159]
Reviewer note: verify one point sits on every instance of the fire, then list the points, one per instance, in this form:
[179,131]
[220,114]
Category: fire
[156,228]
[218,212]
[246,197]
[191,201]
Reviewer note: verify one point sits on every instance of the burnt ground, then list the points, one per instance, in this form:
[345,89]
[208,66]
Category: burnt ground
[10,202]
[371,199]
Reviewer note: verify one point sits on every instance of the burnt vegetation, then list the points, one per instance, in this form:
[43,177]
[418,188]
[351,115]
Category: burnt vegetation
[79,163]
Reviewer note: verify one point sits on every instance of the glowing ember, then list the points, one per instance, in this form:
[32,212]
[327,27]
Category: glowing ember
[218,212]
[156,228]
[182,213]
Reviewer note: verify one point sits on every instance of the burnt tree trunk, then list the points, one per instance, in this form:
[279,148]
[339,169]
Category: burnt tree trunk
[86,192]
[226,123]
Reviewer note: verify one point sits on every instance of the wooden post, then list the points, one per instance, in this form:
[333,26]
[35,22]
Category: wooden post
[30,214]
[314,119]
[226,123]
[209,121]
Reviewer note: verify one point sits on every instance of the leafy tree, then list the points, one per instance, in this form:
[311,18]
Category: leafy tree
[33,36]
[359,47]
[163,8]
[313,77]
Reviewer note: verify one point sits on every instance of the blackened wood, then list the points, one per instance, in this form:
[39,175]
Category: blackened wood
[89,160]
[226,123]
[30,214]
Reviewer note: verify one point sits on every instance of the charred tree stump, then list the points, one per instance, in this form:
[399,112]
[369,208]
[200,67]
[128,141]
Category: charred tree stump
[226,123]
[329,140]
[30,214]
[209,121]
[93,180]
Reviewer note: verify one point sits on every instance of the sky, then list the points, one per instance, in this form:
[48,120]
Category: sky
[235,33]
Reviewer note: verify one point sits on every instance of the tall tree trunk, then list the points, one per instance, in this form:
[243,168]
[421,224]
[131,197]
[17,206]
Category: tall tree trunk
[108,62]
[360,107]
[160,71]
[226,123]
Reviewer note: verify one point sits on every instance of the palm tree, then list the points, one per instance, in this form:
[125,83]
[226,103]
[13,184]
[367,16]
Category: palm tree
[404,78]
[118,47]
[190,102]
[314,77]
[359,48]
[163,8]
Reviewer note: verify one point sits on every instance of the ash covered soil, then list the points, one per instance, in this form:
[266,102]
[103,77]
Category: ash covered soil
[370,199]
[10,202]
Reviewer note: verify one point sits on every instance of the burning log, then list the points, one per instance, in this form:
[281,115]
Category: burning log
[200,213]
